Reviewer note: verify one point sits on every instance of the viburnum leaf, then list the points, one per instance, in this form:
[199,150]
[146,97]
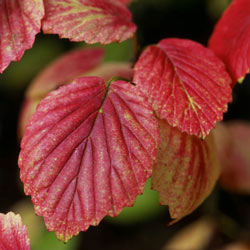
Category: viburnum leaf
[233,143]
[186,83]
[186,171]
[13,234]
[20,21]
[92,21]
[231,39]
[87,153]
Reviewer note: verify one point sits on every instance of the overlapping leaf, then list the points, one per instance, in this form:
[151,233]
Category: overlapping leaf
[233,143]
[13,235]
[231,39]
[20,21]
[87,152]
[63,70]
[186,83]
[92,21]
[186,170]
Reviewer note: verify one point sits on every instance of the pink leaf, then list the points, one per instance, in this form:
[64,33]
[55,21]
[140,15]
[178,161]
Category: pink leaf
[186,83]
[233,143]
[13,235]
[87,153]
[20,21]
[231,39]
[186,171]
[64,69]
[92,21]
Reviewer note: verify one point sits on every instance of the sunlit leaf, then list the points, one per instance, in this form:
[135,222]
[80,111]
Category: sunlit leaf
[231,39]
[87,153]
[186,170]
[92,21]
[233,143]
[13,234]
[20,21]
[186,83]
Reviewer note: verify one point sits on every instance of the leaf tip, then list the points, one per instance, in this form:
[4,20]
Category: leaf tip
[241,79]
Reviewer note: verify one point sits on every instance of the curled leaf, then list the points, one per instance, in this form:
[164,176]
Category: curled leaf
[20,21]
[92,21]
[186,171]
[87,153]
[231,39]
[233,142]
[186,83]
[13,234]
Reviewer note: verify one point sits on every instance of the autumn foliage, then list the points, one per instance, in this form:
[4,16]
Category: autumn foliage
[100,130]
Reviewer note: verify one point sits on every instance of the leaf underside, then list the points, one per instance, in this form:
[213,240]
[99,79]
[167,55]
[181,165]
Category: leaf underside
[13,235]
[87,153]
[186,83]
[20,21]
[92,21]
[186,171]
[231,39]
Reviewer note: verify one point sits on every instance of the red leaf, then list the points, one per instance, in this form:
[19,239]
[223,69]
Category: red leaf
[231,39]
[233,143]
[186,170]
[186,83]
[92,21]
[87,152]
[20,21]
[13,235]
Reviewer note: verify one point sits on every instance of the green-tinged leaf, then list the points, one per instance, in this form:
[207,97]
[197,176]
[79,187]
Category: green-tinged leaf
[186,171]
[92,21]
[20,21]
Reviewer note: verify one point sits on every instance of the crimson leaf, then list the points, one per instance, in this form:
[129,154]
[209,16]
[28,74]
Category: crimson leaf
[186,83]
[186,171]
[20,21]
[13,235]
[92,21]
[231,39]
[87,153]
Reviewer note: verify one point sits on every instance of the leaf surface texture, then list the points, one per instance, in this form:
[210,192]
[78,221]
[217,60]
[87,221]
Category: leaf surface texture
[186,83]
[87,153]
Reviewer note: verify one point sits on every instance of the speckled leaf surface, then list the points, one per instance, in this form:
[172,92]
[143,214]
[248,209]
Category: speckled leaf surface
[233,143]
[87,152]
[13,234]
[92,21]
[20,21]
[231,39]
[186,171]
[186,83]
